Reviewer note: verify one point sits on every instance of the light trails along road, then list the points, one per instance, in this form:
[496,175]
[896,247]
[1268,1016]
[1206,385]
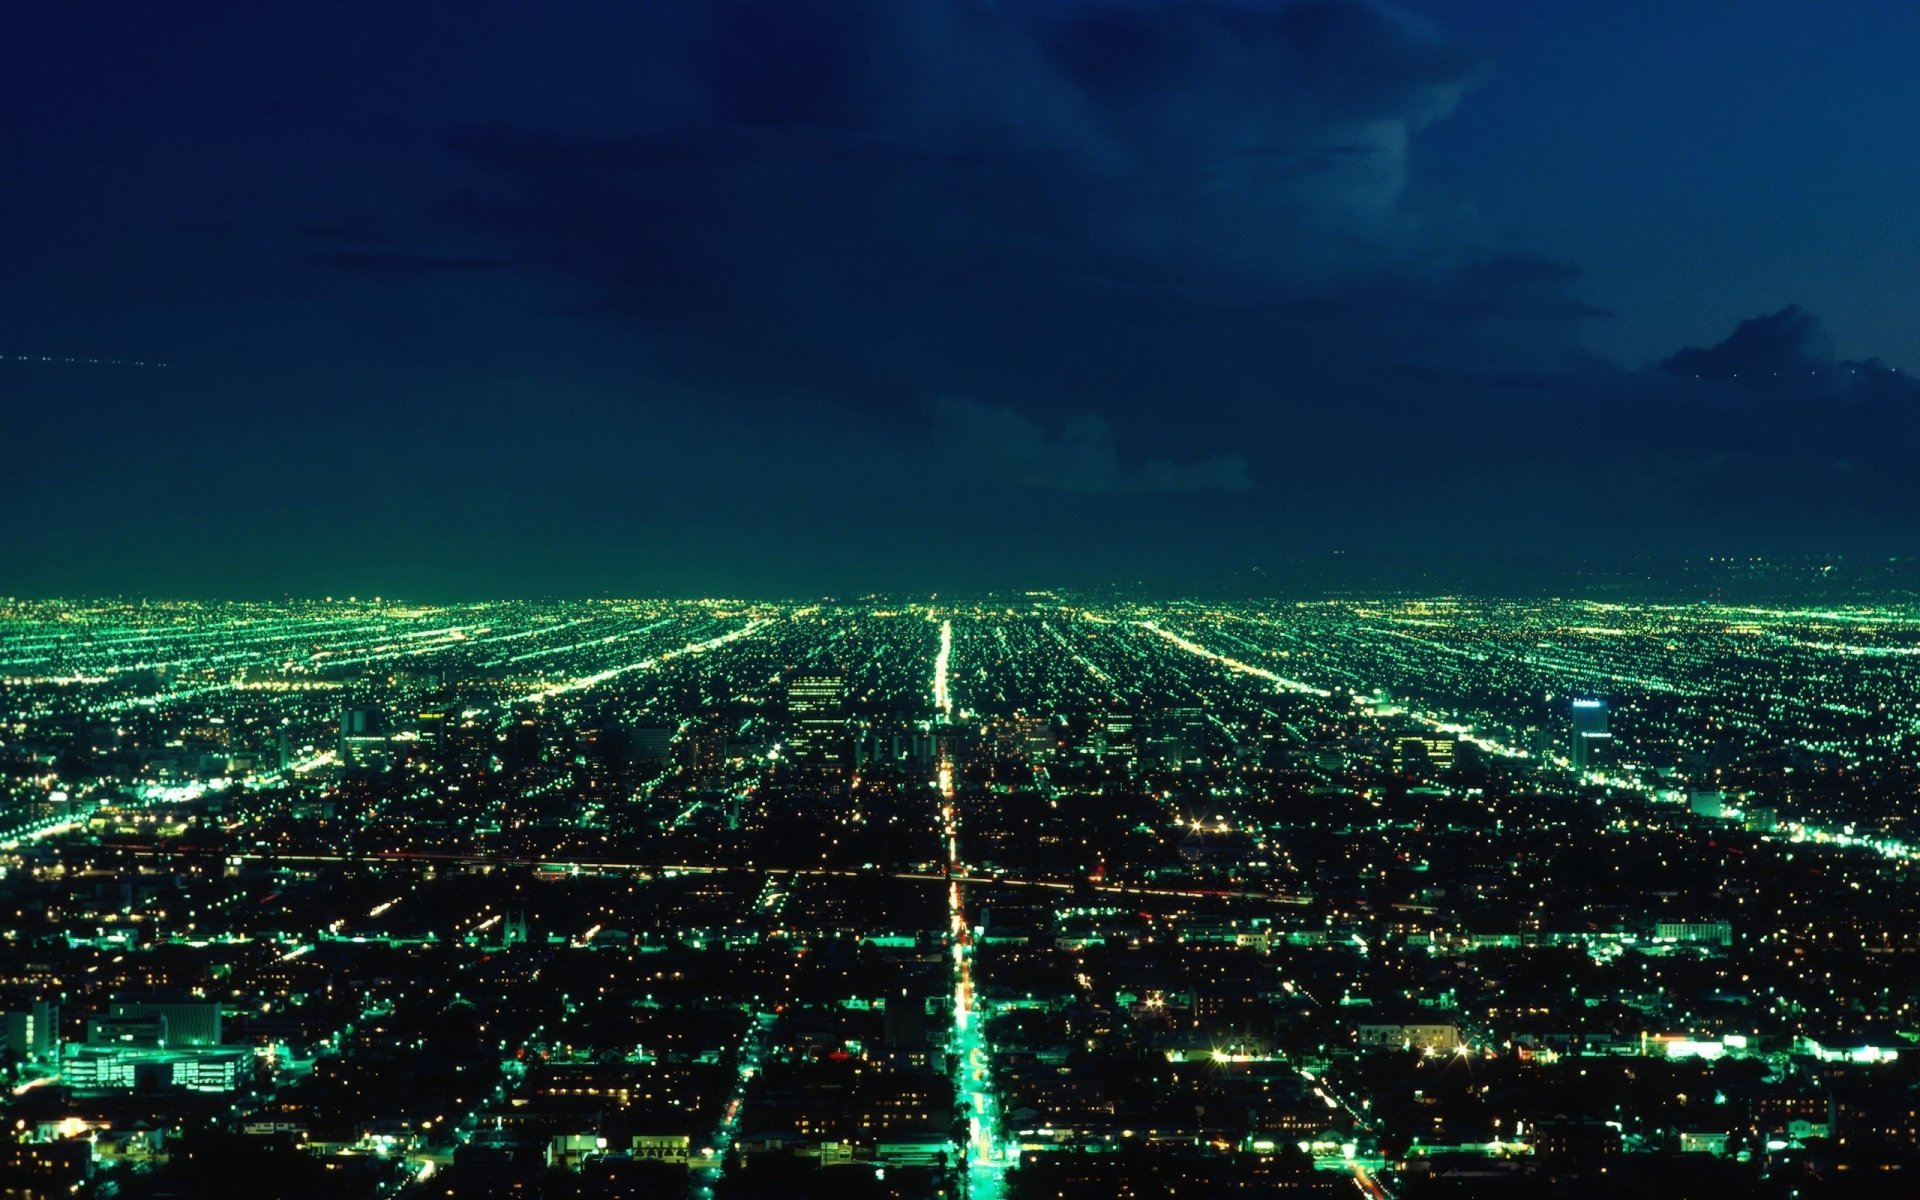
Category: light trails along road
[595,680]
[942,699]
[971,1058]
[958,875]
[1192,647]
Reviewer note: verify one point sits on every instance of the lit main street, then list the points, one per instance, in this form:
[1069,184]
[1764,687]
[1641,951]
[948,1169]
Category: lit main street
[968,1052]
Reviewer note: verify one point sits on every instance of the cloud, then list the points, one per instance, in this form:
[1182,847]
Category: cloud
[1079,204]
[359,232]
[1787,352]
[1000,444]
[1178,254]
[1224,473]
[1790,340]
[401,263]
[1082,209]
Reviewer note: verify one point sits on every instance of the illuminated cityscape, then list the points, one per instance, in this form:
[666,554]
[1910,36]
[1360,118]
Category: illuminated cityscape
[1022,896]
[959,600]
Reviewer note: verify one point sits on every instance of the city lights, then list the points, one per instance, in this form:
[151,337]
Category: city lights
[977,896]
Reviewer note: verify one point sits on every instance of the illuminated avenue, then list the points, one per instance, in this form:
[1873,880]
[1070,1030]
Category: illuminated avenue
[1035,895]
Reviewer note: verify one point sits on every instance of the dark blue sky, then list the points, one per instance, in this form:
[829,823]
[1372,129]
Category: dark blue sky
[488,299]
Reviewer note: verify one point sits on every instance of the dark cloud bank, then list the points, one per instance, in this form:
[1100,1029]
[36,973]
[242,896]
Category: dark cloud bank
[1095,288]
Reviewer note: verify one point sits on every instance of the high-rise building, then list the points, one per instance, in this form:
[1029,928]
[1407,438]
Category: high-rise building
[431,722]
[358,723]
[817,721]
[33,1032]
[1592,743]
[184,1021]
[1114,734]
[363,738]
[704,752]
[1416,752]
[1177,740]
[652,745]
[899,749]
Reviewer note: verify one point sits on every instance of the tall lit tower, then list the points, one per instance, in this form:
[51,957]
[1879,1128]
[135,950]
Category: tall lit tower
[1591,740]
[817,721]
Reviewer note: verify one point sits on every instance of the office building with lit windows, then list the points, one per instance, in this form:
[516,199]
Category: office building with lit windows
[817,721]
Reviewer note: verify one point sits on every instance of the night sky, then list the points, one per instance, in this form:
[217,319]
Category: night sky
[474,300]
